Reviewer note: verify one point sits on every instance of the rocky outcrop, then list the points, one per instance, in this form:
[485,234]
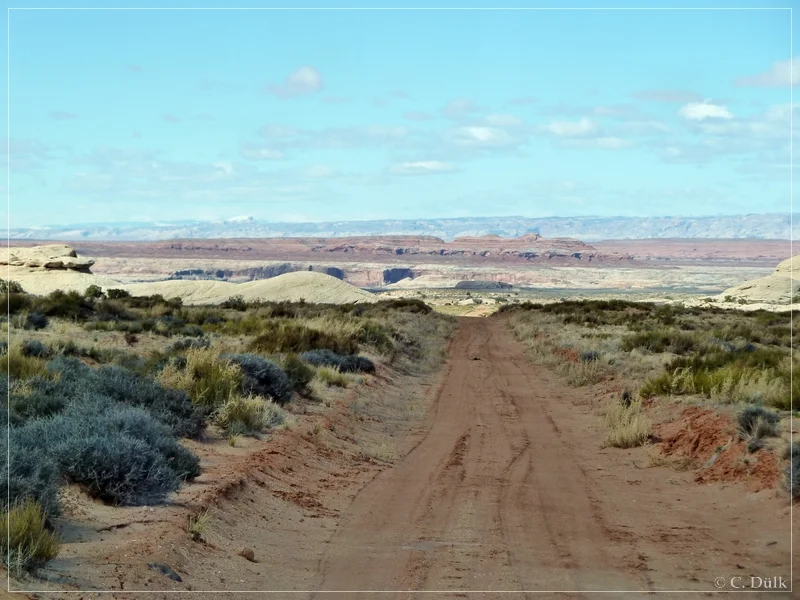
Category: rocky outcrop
[51,257]
[779,288]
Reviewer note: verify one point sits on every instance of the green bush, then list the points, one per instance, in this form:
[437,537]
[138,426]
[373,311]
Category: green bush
[116,294]
[94,292]
[10,287]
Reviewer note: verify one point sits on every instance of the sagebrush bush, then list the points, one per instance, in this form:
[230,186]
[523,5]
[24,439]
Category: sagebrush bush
[36,321]
[757,422]
[118,470]
[345,364]
[298,372]
[171,406]
[198,343]
[34,474]
[262,377]
[35,348]
[25,540]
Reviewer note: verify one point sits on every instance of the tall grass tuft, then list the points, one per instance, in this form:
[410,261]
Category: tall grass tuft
[628,426]
[25,541]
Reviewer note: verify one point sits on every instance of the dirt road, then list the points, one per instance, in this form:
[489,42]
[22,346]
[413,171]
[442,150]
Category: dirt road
[508,491]
[501,484]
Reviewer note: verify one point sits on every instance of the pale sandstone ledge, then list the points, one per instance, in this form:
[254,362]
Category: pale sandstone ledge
[778,288]
[54,256]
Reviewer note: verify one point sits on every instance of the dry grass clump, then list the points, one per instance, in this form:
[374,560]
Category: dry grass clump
[249,415]
[332,377]
[200,525]
[25,541]
[628,425]
[208,379]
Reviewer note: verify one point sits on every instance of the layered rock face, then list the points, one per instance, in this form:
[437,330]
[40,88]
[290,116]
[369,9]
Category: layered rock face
[50,257]
[779,288]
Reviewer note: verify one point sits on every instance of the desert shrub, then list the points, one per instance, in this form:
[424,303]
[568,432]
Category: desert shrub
[262,377]
[117,294]
[357,364]
[10,287]
[791,475]
[112,310]
[21,367]
[119,470]
[628,426]
[139,424]
[94,292]
[663,340]
[25,540]
[192,331]
[286,336]
[298,372]
[171,406]
[208,380]
[66,305]
[581,373]
[36,399]
[375,335]
[36,321]
[345,364]
[235,303]
[757,422]
[35,348]
[331,376]
[248,415]
[190,343]
[412,305]
[33,474]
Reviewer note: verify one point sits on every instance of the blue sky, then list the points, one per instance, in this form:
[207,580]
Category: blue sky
[341,115]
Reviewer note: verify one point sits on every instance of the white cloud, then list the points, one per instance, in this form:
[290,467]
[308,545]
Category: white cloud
[780,74]
[583,128]
[425,167]
[483,137]
[304,81]
[698,111]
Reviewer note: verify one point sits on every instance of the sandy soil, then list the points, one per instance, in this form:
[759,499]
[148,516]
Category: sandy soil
[499,483]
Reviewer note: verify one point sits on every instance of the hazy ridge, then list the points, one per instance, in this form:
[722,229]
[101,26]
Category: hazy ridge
[754,226]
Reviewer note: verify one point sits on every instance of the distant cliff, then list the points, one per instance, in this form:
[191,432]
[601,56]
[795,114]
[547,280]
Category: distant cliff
[757,226]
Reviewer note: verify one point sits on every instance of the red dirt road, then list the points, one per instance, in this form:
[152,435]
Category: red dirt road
[508,491]
[506,487]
